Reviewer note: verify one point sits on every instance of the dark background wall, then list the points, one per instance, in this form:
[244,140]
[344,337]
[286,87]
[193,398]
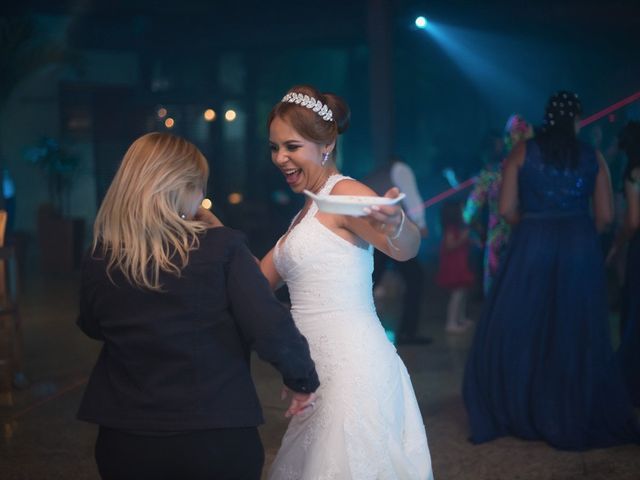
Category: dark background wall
[431,95]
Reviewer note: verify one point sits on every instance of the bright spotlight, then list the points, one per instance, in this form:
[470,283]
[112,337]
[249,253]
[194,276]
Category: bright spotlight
[421,22]
[207,203]
[230,115]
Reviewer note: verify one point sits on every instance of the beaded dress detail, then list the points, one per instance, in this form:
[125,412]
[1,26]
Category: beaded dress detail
[541,366]
[366,424]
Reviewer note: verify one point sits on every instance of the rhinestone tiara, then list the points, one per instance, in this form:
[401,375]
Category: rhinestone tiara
[309,102]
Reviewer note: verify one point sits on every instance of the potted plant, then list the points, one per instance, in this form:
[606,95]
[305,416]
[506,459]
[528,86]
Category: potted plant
[59,166]
[24,50]
[60,237]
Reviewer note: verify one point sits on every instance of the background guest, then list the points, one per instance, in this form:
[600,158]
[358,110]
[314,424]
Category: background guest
[541,366]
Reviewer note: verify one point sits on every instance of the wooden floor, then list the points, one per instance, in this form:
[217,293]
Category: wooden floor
[42,440]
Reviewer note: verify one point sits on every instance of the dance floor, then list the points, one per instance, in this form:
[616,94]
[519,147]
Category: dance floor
[42,440]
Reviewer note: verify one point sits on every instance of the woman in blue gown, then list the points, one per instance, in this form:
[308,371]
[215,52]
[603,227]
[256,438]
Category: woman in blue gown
[541,366]
[629,351]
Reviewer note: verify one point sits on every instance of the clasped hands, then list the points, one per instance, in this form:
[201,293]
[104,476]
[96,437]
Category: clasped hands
[300,402]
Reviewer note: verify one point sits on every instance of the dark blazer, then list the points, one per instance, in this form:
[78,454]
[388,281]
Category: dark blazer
[179,360]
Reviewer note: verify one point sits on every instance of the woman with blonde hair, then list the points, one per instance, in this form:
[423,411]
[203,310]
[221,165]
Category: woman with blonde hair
[178,306]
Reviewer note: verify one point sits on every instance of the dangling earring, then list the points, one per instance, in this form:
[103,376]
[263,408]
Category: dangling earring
[325,158]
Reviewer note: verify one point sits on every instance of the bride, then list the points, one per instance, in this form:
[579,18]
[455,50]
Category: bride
[365,422]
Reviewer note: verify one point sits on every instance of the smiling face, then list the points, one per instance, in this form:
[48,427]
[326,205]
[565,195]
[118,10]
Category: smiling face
[299,159]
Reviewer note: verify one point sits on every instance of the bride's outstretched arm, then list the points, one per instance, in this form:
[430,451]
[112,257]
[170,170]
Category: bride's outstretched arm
[387,228]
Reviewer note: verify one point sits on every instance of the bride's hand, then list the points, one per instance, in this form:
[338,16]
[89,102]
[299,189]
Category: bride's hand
[386,218]
[300,402]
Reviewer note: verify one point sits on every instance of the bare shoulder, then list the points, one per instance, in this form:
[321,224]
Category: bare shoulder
[351,187]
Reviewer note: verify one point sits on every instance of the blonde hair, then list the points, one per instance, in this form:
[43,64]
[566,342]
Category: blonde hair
[142,227]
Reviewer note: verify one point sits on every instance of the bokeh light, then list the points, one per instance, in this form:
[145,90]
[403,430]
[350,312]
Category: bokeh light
[235,198]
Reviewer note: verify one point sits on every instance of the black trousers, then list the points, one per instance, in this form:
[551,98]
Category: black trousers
[220,454]
[413,276]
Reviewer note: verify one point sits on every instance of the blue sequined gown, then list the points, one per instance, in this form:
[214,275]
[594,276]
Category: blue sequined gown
[541,366]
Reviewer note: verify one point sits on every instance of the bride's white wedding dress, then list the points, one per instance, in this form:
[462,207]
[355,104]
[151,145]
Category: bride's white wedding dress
[366,424]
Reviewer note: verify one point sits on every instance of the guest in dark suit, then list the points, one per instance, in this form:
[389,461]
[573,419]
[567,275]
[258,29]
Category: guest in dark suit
[179,305]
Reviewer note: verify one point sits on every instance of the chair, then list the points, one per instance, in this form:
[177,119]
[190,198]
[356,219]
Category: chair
[3,230]
[10,322]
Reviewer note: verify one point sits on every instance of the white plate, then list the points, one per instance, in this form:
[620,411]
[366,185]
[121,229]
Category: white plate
[353,205]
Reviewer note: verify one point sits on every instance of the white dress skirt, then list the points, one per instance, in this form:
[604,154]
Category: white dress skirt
[366,424]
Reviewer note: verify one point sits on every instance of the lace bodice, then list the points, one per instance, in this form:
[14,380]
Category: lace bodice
[323,271]
[366,423]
